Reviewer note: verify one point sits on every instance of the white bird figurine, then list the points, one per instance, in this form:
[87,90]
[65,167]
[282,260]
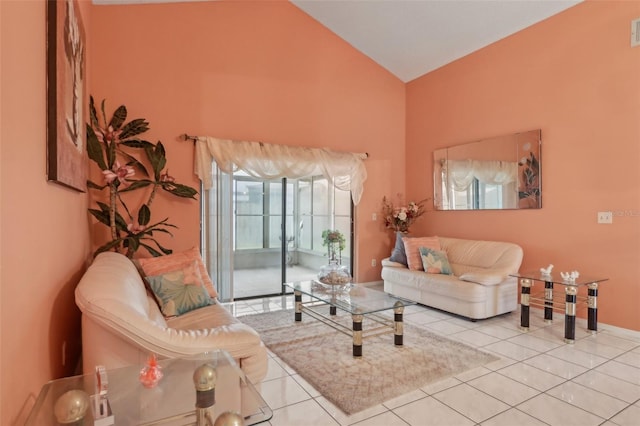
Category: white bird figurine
[570,276]
[547,271]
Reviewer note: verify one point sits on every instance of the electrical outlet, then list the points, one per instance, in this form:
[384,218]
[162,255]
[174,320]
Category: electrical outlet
[373,262]
[605,217]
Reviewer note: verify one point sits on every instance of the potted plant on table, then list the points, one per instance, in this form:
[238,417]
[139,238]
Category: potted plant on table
[334,273]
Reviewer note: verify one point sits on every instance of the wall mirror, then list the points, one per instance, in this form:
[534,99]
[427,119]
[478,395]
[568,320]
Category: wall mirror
[496,173]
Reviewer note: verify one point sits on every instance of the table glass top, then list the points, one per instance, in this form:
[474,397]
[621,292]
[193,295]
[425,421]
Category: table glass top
[171,402]
[556,278]
[355,299]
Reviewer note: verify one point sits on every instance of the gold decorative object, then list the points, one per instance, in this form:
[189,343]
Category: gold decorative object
[71,406]
[229,418]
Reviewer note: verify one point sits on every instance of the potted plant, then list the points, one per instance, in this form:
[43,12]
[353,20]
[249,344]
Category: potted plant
[334,273]
[111,146]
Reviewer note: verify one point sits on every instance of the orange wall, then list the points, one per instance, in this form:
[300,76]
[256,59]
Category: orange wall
[250,71]
[576,77]
[45,235]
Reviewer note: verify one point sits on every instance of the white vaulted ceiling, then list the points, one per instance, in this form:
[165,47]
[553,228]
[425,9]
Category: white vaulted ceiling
[409,38]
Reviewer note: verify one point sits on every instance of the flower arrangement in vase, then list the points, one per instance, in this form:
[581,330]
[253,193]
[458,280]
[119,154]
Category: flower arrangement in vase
[108,145]
[400,218]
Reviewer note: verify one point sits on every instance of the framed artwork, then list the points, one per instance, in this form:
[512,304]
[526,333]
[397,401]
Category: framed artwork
[66,132]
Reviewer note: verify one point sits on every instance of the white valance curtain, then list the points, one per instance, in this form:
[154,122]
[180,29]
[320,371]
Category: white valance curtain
[271,161]
[460,173]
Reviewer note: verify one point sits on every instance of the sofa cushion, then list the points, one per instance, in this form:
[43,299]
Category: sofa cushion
[180,291]
[412,248]
[159,265]
[435,261]
[477,257]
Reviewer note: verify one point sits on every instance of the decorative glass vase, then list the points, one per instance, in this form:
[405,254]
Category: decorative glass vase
[334,274]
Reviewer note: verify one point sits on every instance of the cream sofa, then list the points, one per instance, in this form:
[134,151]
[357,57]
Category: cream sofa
[479,288]
[122,324]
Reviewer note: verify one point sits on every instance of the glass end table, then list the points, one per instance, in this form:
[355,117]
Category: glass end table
[171,402]
[547,301]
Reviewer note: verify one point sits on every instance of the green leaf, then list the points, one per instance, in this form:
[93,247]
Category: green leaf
[163,249]
[111,154]
[94,148]
[151,250]
[103,217]
[137,143]
[103,206]
[108,246]
[134,162]
[133,128]
[93,185]
[132,243]
[179,189]
[156,158]
[118,118]
[104,114]
[136,184]
[144,215]
[93,116]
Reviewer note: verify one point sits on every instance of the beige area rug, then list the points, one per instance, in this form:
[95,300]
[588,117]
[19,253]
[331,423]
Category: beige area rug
[323,357]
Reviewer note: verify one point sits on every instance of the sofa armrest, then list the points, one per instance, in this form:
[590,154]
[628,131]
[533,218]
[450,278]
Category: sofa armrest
[391,264]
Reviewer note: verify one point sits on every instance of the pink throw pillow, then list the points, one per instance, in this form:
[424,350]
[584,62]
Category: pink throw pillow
[162,264]
[412,248]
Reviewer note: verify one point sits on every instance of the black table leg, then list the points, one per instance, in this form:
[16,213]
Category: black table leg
[570,314]
[592,303]
[525,293]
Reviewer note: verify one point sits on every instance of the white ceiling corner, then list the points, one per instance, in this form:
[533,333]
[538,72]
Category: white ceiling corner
[409,38]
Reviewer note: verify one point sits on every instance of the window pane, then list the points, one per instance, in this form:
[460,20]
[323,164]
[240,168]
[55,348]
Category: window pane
[343,202]
[275,198]
[248,197]
[275,232]
[320,223]
[321,201]
[248,232]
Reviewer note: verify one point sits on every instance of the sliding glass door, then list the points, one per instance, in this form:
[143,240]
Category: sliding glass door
[259,234]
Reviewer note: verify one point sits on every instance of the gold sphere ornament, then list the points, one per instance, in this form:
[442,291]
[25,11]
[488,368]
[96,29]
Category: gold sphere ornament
[229,418]
[71,406]
[204,378]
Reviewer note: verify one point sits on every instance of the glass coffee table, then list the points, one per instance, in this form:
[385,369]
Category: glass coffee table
[171,402]
[354,299]
[550,302]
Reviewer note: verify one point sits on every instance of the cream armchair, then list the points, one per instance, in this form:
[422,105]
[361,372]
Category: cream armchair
[122,324]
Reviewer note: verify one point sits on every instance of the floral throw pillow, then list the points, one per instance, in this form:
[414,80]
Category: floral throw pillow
[179,291]
[435,261]
[412,248]
[153,266]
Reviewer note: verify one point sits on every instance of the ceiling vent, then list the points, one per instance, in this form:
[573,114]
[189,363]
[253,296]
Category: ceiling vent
[635,32]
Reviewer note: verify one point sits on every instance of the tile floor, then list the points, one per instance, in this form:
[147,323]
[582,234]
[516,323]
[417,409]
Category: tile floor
[539,379]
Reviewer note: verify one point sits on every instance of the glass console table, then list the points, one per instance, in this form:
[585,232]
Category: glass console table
[171,402]
[549,302]
[356,300]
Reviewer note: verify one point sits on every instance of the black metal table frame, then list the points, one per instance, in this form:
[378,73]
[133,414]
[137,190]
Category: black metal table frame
[357,318]
[548,302]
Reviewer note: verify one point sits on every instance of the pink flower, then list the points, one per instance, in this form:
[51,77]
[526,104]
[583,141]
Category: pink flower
[165,177]
[134,228]
[107,135]
[119,172]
